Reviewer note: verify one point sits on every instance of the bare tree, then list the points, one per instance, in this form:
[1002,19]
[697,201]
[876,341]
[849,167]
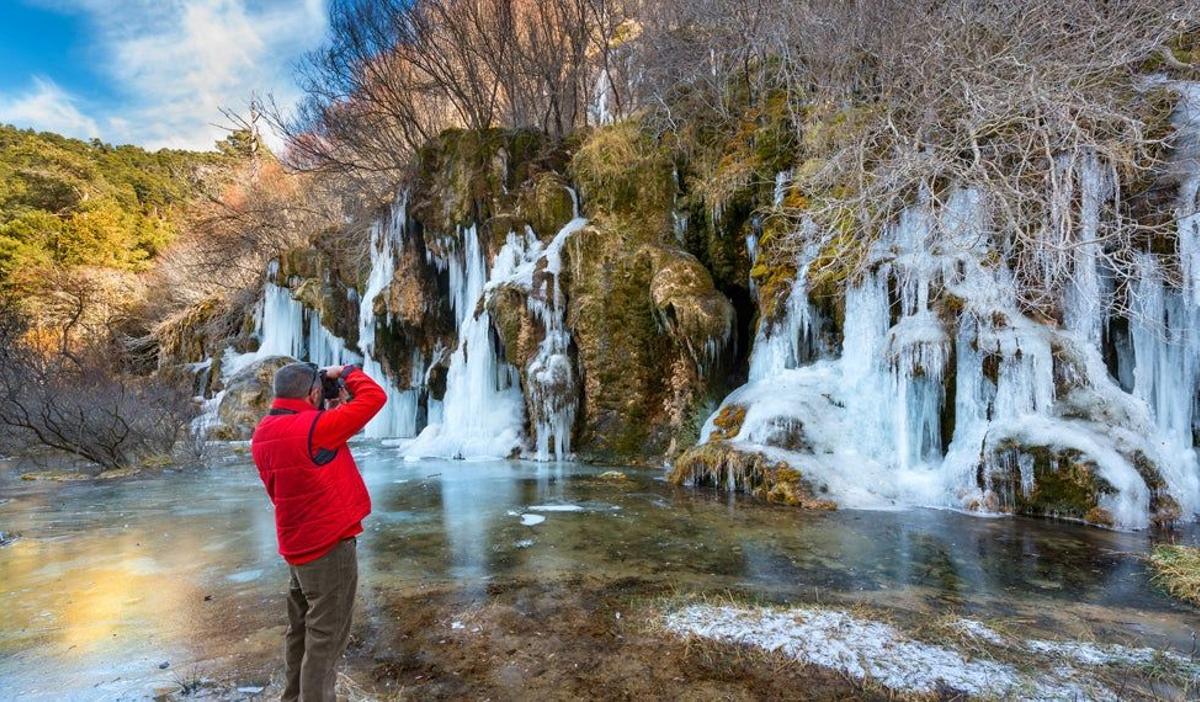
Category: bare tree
[79,402]
[396,73]
[891,100]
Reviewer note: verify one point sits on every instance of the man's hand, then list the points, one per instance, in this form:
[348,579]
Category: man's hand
[342,398]
[333,371]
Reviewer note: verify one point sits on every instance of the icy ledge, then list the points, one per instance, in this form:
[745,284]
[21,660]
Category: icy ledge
[870,650]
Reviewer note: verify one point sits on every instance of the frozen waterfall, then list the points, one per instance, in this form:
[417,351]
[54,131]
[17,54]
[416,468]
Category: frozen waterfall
[285,328]
[482,414]
[399,416]
[872,419]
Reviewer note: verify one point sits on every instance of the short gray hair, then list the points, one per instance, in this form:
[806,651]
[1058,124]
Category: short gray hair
[294,380]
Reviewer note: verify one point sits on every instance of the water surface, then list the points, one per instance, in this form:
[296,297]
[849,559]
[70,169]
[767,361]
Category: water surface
[109,580]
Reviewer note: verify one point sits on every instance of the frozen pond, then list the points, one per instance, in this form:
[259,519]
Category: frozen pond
[109,580]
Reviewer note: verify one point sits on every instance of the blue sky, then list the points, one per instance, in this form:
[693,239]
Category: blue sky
[148,72]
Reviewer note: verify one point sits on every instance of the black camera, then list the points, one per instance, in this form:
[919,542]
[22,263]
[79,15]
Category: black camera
[331,388]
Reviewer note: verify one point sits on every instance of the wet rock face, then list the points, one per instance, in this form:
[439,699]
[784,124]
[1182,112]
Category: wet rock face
[519,332]
[1042,481]
[248,396]
[723,465]
[497,179]
[414,317]
[625,359]
[697,316]
[647,320]
[322,281]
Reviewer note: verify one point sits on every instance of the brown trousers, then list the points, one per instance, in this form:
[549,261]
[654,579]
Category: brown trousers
[320,604]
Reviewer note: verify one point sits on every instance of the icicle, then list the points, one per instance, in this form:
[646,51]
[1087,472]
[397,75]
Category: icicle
[782,178]
[792,340]
[1085,306]
[863,362]
[866,427]
[1166,370]
[399,416]
[553,390]
[483,410]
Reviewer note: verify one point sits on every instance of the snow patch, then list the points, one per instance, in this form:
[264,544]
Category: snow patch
[870,650]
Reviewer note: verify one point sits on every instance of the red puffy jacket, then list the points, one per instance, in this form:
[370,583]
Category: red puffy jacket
[310,476]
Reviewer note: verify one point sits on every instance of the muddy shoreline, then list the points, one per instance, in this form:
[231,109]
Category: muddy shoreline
[576,638]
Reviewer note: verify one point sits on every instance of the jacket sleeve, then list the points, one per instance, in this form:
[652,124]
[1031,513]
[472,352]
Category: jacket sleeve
[334,427]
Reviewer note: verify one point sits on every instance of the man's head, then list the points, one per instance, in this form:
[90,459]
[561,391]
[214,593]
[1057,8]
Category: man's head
[299,381]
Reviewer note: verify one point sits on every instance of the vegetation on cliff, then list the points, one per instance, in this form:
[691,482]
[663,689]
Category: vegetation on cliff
[68,202]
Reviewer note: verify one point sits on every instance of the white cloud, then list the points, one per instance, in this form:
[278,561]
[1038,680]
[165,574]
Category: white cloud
[174,64]
[47,107]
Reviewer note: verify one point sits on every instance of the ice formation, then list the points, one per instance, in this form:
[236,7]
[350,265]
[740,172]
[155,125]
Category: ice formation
[285,327]
[483,411]
[939,405]
[399,415]
[550,376]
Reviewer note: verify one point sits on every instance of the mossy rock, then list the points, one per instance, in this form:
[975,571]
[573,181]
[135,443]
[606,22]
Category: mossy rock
[720,464]
[1066,484]
[1165,511]
[315,278]
[467,177]
[188,337]
[300,262]
[248,396]
[622,172]
[728,422]
[519,332]
[412,316]
[775,282]
[688,305]
[545,204]
[624,358]
[613,476]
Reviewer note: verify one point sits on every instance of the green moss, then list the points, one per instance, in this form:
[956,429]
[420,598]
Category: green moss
[689,307]
[843,253]
[466,177]
[624,359]
[775,281]
[545,205]
[1065,484]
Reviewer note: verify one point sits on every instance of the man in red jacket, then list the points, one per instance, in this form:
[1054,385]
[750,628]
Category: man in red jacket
[320,501]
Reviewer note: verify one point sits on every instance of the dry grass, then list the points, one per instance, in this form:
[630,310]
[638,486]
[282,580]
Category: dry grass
[1177,570]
